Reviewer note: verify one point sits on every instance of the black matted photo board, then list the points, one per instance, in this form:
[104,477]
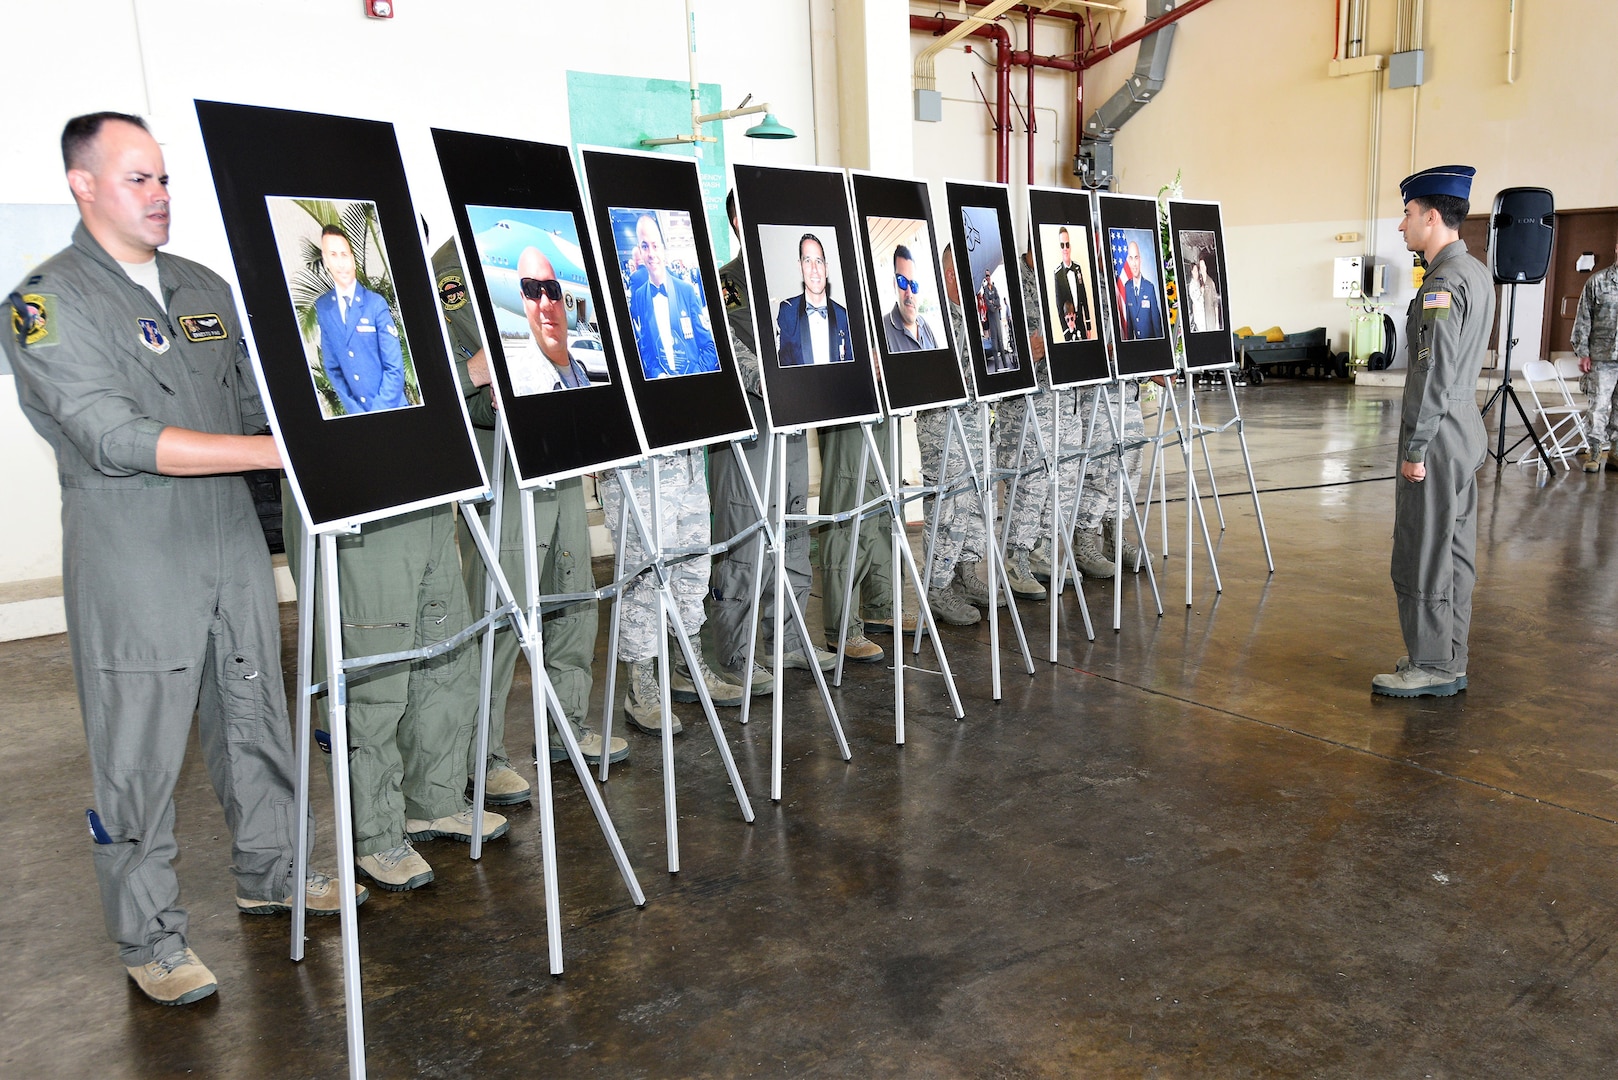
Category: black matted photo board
[540,297]
[985,250]
[1073,309]
[803,283]
[665,299]
[1129,245]
[905,291]
[324,238]
[1197,242]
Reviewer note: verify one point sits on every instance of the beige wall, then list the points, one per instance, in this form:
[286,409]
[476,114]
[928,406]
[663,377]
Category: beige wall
[1249,116]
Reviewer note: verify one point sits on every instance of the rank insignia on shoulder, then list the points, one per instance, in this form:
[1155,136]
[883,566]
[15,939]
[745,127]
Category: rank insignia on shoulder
[152,337]
[208,327]
[452,291]
[31,319]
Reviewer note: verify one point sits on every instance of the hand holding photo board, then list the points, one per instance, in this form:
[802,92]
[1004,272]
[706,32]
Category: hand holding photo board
[665,298]
[809,312]
[541,299]
[914,344]
[345,328]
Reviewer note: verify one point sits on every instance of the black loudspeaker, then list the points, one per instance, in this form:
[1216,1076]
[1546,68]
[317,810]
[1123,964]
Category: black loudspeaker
[1520,234]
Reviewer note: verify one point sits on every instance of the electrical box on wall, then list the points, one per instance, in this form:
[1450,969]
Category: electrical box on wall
[1373,277]
[1347,280]
[1406,69]
[379,9]
[929,106]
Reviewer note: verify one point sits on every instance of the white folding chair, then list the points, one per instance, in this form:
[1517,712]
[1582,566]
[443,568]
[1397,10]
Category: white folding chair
[1562,419]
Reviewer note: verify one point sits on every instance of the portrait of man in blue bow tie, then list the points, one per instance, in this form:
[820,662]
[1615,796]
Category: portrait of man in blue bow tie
[813,328]
[672,331]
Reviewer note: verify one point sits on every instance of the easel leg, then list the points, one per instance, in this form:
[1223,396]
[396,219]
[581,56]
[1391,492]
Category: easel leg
[337,717]
[1247,462]
[924,617]
[613,622]
[301,727]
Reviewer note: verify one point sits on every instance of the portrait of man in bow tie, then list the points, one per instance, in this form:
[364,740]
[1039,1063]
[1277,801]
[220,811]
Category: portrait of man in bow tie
[673,335]
[812,327]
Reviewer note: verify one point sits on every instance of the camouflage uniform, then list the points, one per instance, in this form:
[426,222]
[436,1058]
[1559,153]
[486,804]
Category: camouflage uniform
[683,500]
[1101,476]
[733,508]
[1028,511]
[1595,335]
[960,519]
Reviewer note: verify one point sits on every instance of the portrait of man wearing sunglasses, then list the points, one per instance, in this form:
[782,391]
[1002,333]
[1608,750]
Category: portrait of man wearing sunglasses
[544,364]
[672,332]
[903,327]
[1072,298]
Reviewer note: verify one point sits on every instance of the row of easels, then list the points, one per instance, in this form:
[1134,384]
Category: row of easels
[768,537]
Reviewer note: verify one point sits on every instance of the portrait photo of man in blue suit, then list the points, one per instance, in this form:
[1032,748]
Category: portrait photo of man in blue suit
[813,328]
[672,333]
[359,343]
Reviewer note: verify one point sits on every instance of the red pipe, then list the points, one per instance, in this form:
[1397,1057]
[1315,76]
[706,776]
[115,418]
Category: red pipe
[1150,28]
[1002,82]
[1030,121]
[1006,57]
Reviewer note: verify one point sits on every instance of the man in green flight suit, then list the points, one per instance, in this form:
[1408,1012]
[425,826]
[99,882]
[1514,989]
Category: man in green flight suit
[130,363]
[1441,440]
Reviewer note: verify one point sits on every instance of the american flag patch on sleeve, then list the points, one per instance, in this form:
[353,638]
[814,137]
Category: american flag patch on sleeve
[1433,300]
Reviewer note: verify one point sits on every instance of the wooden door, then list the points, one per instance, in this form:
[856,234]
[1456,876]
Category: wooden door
[1475,231]
[1578,233]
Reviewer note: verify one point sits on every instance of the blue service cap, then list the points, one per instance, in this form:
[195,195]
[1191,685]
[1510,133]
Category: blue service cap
[1453,180]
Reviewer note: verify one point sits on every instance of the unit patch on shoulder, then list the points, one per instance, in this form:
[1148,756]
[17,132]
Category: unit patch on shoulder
[452,290]
[203,327]
[31,319]
[733,294]
[1435,305]
[151,336]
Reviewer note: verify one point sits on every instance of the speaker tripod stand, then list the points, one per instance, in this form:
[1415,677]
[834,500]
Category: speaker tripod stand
[1504,390]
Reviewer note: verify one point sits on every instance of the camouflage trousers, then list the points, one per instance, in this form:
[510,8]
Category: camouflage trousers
[683,504]
[1102,475]
[960,532]
[1601,422]
[1031,510]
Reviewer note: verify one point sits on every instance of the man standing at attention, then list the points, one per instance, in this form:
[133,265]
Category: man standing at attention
[140,383]
[1595,343]
[1441,440]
